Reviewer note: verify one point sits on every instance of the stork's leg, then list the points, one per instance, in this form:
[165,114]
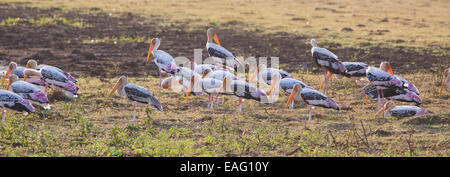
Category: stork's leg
[326,79]
[378,93]
[3,114]
[310,110]
[223,100]
[160,77]
[361,82]
[382,100]
[134,113]
[46,89]
[240,105]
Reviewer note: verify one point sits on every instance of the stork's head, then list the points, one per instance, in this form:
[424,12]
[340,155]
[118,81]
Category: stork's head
[313,43]
[122,81]
[386,107]
[445,80]
[386,66]
[11,67]
[211,34]
[154,44]
[12,78]
[32,64]
[296,91]
[206,71]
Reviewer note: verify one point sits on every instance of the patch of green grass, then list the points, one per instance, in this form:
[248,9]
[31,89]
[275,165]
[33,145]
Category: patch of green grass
[54,20]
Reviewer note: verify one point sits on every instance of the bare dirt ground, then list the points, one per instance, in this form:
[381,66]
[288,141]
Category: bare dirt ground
[66,46]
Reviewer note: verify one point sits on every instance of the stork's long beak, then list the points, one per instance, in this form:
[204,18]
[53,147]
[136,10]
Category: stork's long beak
[115,88]
[221,88]
[390,71]
[442,87]
[190,88]
[254,74]
[25,77]
[6,75]
[216,39]
[378,113]
[294,91]
[150,51]
[272,86]
[9,84]
[365,99]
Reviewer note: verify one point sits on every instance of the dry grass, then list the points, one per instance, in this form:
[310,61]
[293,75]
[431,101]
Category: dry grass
[396,23]
[94,125]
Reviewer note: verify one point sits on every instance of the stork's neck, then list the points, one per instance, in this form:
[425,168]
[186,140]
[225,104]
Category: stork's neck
[157,43]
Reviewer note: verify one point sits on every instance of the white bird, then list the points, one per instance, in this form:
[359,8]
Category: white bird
[13,101]
[219,75]
[135,93]
[59,70]
[327,60]
[354,70]
[389,109]
[220,54]
[287,85]
[241,90]
[53,78]
[208,85]
[265,74]
[445,80]
[386,66]
[395,93]
[28,91]
[312,98]
[163,60]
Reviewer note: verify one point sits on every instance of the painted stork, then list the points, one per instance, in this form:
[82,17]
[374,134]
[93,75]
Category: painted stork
[13,101]
[219,75]
[202,67]
[219,53]
[287,85]
[265,74]
[312,98]
[69,77]
[241,90]
[53,78]
[208,85]
[389,109]
[445,80]
[135,93]
[163,60]
[328,61]
[28,91]
[386,66]
[394,93]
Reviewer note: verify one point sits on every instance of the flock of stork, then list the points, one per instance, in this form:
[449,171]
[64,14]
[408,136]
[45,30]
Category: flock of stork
[29,85]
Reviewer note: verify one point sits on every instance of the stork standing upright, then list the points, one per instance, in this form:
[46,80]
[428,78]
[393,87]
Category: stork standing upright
[219,53]
[328,61]
[445,80]
[13,101]
[163,60]
[135,93]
